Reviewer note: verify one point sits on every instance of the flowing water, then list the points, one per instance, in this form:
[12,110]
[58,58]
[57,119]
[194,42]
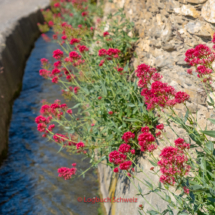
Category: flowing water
[29,182]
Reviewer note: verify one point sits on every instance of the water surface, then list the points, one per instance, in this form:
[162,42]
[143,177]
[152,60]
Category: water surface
[29,182]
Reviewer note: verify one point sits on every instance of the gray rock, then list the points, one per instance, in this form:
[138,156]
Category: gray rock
[168,47]
[208,11]
[199,28]
[187,10]
[196,1]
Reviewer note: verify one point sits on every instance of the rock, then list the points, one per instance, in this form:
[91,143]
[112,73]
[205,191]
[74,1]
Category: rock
[199,28]
[196,1]
[156,43]
[208,11]
[180,61]
[163,61]
[168,47]
[187,10]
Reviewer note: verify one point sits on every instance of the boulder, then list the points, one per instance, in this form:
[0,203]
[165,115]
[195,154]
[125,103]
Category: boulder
[199,28]
[208,11]
[187,10]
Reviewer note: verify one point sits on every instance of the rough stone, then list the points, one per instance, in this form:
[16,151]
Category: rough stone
[199,28]
[208,11]
[166,34]
[187,10]
[196,1]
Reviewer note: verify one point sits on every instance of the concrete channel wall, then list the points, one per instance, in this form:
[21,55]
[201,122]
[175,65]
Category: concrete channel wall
[18,31]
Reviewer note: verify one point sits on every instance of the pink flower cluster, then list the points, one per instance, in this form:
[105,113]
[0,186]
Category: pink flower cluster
[66,172]
[108,54]
[127,136]
[156,93]
[173,162]
[119,158]
[146,140]
[201,57]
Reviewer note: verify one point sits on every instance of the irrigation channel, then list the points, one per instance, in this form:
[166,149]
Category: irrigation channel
[29,182]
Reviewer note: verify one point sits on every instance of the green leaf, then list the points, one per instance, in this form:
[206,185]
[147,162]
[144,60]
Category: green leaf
[209,133]
[131,105]
[104,88]
[212,120]
[210,146]
[139,188]
[133,120]
[165,211]
[140,213]
[152,212]
[211,199]
[77,105]
[152,163]
[212,191]
[203,164]
[149,184]
[186,116]
[196,188]
[183,213]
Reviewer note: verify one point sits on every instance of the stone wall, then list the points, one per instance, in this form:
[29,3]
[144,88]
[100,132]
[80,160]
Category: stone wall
[167,28]
[18,31]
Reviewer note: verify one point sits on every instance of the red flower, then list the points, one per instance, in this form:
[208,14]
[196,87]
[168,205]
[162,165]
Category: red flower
[110,112]
[116,170]
[66,173]
[102,52]
[74,40]
[76,90]
[74,55]
[57,4]
[106,33]
[64,37]
[116,157]
[84,13]
[83,48]
[124,148]
[125,165]
[101,62]
[57,54]
[80,145]
[127,136]
[57,64]
[50,23]
[160,127]
[69,111]
[55,80]
[133,151]
[186,190]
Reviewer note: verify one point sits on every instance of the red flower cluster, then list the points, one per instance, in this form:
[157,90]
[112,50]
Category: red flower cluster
[57,54]
[173,163]
[109,54]
[84,13]
[106,33]
[74,40]
[201,57]
[82,49]
[127,136]
[146,140]
[66,172]
[157,93]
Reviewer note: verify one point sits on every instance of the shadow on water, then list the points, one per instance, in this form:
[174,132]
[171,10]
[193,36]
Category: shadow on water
[29,182]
